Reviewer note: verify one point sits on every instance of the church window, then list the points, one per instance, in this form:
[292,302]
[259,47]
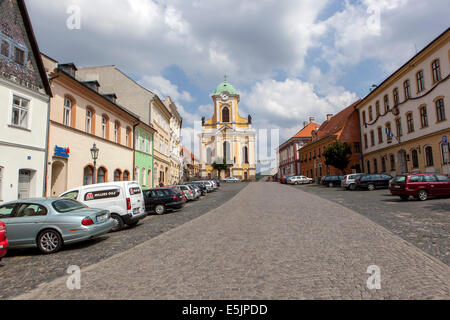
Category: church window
[225,114]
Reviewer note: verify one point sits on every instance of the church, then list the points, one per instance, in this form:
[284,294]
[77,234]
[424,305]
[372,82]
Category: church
[227,136]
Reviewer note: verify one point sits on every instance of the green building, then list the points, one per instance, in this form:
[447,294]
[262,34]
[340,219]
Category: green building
[143,154]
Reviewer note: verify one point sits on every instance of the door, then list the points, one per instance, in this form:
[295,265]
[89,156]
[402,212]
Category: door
[443,185]
[24,184]
[432,185]
[245,176]
[59,181]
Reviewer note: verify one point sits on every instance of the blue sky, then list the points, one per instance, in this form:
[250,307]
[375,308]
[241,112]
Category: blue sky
[289,59]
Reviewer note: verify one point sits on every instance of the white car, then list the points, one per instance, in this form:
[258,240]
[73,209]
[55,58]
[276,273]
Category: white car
[231,179]
[299,180]
[123,199]
[188,192]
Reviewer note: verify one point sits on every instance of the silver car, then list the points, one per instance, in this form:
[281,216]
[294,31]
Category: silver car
[188,192]
[50,223]
[349,181]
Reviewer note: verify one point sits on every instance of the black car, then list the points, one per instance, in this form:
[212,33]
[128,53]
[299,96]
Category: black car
[332,181]
[217,182]
[201,186]
[373,181]
[162,199]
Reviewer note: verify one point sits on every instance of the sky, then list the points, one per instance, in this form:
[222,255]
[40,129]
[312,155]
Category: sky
[289,59]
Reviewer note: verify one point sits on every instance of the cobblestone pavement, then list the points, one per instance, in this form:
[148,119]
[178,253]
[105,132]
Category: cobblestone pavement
[23,270]
[423,224]
[270,242]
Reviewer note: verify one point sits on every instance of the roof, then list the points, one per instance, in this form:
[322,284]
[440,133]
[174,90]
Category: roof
[306,132]
[188,153]
[225,87]
[34,46]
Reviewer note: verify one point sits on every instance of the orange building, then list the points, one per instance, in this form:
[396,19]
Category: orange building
[343,127]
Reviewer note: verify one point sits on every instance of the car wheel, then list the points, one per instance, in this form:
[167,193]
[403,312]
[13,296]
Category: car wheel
[118,222]
[404,198]
[49,241]
[371,187]
[297,183]
[352,187]
[160,209]
[422,195]
[331,184]
[132,224]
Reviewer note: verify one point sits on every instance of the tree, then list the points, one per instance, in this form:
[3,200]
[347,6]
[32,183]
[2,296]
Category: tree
[338,155]
[220,166]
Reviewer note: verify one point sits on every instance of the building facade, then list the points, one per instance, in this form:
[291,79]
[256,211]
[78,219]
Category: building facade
[190,165]
[343,127]
[288,157]
[412,104]
[81,116]
[143,155]
[227,136]
[176,161]
[24,104]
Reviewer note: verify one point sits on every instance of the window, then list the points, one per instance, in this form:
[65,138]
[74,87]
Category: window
[117,175]
[386,104]
[396,96]
[366,144]
[20,110]
[142,179]
[380,135]
[7,211]
[445,150]
[429,156]
[364,117]
[368,166]
[19,56]
[372,138]
[127,136]
[407,89]
[398,124]
[415,158]
[5,48]
[116,132]
[67,111]
[410,122]
[375,166]
[126,176]
[88,175]
[423,117]
[88,120]
[383,164]
[389,129]
[225,114]
[440,110]
[31,210]
[101,175]
[245,151]
[420,82]
[392,160]
[377,108]
[104,127]
[442,178]
[436,68]
[370,113]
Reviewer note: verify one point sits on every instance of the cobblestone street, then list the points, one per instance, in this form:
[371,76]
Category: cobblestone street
[271,241]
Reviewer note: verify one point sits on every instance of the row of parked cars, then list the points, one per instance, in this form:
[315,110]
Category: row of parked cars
[420,186]
[88,212]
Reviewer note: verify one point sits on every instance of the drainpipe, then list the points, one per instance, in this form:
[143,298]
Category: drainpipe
[47,134]
[134,151]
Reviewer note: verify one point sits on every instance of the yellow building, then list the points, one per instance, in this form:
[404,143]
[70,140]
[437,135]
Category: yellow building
[227,136]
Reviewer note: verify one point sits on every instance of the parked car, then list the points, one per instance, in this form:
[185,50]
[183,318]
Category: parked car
[231,180]
[196,189]
[349,181]
[160,200]
[373,181]
[332,181]
[284,179]
[217,182]
[208,185]
[50,223]
[201,186]
[420,186]
[188,191]
[123,199]
[299,180]
[215,186]
[3,240]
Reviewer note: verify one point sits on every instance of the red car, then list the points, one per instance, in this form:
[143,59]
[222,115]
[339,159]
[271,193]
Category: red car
[420,186]
[3,240]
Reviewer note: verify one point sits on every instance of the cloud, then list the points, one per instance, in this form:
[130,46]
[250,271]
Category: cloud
[164,87]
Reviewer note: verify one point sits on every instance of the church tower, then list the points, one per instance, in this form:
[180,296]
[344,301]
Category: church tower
[227,136]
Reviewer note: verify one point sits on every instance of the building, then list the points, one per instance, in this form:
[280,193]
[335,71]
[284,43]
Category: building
[81,116]
[190,165]
[343,127]
[143,154]
[227,136]
[24,104]
[176,161]
[288,160]
[412,104]
[148,106]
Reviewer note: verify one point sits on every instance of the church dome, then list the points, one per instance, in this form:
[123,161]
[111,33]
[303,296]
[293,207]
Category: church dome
[225,87]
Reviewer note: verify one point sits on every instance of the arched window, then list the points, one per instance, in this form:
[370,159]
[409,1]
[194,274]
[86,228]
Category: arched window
[117,175]
[88,175]
[128,137]
[226,151]
[423,117]
[436,69]
[429,156]
[225,114]
[415,158]
[368,167]
[117,132]
[245,155]
[386,104]
[101,175]
[143,176]
[407,89]
[126,176]
[392,158]
[370,113]
[67,112]
[396,96]
[383,165]
[420,82]
[377,108]
[88,121]
[410,122]
[375,166]
[105,127]
[440,110]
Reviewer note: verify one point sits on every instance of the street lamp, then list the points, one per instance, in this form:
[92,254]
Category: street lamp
[94,155]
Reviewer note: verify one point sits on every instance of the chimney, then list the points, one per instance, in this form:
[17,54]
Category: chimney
[311,119]
[329,116]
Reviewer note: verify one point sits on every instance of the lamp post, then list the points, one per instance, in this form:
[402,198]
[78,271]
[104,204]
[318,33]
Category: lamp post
[94,155]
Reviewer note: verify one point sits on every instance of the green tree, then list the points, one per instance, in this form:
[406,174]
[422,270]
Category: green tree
[220,166]
[338,155]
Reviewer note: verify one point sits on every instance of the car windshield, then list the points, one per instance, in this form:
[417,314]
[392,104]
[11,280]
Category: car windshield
[400,179]
[67,205]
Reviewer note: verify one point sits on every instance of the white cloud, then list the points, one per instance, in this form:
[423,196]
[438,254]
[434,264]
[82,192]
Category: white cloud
[164,87]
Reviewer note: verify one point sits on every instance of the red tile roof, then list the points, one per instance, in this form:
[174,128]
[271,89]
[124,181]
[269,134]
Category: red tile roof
[336,123]
[306,132]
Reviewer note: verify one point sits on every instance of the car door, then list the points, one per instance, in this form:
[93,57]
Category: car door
[6,215]
[28,219]
[442,185]
[431,184]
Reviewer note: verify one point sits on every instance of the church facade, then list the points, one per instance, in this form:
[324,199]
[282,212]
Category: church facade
[227,138]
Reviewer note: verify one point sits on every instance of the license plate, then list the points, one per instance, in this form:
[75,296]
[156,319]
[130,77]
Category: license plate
[397,187]
[136,210]
[102,218]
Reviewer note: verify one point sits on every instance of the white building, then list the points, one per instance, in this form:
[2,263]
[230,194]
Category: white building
[24,105]
[176,161]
